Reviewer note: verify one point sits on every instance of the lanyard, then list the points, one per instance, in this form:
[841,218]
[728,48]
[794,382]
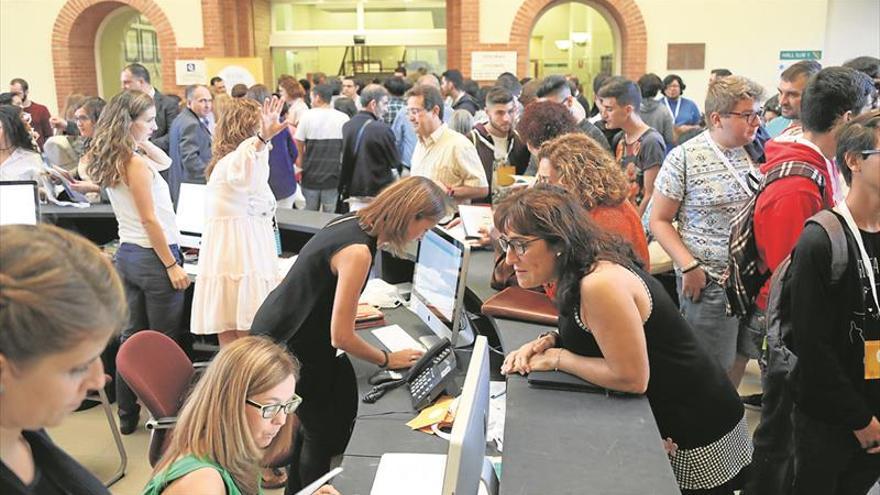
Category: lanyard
[730,167]
[677,106]
[843,209]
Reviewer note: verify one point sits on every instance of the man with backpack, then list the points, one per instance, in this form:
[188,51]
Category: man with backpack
[835,329]
[799,181]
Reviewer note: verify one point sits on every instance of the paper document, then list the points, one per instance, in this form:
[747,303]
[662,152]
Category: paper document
[475,218]
[406,474]
[318,483]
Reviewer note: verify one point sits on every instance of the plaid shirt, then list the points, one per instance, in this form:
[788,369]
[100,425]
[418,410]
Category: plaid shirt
[395,104]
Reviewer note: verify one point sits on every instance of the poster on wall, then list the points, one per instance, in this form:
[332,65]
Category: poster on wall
[487,66]
[191,72]
[247,71]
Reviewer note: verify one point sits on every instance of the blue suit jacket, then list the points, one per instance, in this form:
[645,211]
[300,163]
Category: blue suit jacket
[189,146]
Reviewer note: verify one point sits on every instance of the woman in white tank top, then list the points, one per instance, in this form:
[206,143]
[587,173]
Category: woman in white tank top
[124,162]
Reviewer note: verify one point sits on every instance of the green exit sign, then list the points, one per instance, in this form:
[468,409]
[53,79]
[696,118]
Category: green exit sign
[800,55]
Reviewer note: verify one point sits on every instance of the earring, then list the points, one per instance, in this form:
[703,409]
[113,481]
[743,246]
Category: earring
[558,254]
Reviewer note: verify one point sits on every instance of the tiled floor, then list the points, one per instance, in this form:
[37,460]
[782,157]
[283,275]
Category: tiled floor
[86,436]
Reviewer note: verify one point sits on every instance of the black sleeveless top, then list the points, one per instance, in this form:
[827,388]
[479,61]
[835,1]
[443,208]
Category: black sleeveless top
[299,310]
[691,397]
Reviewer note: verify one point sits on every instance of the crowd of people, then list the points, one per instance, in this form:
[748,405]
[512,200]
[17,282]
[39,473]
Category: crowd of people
[728,188]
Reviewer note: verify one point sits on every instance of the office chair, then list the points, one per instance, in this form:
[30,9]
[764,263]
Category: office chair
[100,396]
[161,388]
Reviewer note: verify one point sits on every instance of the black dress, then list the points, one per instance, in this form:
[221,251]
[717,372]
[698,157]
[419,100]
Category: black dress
[692,400]
[56,472]
[298,313]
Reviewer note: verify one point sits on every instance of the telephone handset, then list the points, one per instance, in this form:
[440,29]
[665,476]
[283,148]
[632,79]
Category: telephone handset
[426,379]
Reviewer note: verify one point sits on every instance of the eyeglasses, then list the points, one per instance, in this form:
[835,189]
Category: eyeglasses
[750,117]
[519,245]
[866,153]
[269,411]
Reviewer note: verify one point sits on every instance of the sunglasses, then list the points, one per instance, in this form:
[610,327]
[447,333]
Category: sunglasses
[269,411]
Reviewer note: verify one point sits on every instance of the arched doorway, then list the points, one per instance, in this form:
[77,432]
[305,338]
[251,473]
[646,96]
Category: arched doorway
[73,43]
[573,38]
[125,37]
[623,17]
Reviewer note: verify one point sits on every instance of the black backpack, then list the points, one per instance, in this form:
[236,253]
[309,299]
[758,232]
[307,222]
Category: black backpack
[743,279]
[772,465]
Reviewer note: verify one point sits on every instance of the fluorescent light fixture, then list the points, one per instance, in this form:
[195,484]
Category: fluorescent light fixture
[581,38]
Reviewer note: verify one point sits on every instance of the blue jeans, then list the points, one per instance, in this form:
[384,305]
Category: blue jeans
[152,304]
[321,199]
[708,318]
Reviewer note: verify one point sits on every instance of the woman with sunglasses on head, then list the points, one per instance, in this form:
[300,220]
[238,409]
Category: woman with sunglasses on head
[620,330]
[60,303]
[313,312]
[232,415]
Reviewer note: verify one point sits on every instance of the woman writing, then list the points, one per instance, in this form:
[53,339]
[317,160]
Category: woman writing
[54,327]
[313,312]
[127,164]
[232,415]
[619,329]
[238,260]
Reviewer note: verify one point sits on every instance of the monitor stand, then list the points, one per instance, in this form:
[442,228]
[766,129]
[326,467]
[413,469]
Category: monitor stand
[466,335]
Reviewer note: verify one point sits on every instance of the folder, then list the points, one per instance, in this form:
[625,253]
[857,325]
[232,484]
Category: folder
[517,303]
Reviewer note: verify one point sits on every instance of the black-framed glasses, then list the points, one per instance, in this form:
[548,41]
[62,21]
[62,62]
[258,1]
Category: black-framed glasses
[519,245]
[269,411]
[750,117]
[866,153]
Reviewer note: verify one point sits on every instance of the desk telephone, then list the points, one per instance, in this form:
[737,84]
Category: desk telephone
[426,379]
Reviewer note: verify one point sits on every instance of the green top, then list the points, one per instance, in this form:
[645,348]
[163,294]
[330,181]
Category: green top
[181,468]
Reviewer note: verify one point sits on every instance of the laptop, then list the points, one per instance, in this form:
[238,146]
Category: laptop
[560,380]
[19,202]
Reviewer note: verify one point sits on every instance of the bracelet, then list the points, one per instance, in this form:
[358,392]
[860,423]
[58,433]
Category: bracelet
[385,363]
[558,357]
[692,266]
[261,139]
[173,263]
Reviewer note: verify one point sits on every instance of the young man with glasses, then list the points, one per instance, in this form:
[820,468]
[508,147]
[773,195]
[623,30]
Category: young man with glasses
[703,184]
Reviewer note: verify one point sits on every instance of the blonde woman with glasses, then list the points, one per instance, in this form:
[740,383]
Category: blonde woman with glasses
[231,417]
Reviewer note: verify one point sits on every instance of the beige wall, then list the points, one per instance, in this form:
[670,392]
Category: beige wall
[26,34]
[748,40]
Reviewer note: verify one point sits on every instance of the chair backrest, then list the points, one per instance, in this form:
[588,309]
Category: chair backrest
[157,370]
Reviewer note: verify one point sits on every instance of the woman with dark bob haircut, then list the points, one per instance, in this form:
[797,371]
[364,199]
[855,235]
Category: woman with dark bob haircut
[619,329]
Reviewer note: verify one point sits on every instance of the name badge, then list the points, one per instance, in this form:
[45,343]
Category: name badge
[872,359]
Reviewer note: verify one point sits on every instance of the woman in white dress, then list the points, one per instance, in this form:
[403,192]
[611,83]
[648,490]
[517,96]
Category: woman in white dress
[238,263]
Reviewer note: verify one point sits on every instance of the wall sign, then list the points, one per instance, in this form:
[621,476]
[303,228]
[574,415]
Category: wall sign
[487,66]
[191,72]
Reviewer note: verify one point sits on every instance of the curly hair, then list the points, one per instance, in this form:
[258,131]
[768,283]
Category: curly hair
[240,120]
[15,131]
[586,170]
[113,145]
[544,120]
[551,213]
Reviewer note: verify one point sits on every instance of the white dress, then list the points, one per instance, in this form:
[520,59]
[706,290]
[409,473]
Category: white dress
[238,264]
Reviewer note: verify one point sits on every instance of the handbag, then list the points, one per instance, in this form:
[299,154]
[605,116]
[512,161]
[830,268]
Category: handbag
[517,303]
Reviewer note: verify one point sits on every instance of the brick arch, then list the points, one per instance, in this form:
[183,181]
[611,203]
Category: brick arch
[625,14]
[73,43]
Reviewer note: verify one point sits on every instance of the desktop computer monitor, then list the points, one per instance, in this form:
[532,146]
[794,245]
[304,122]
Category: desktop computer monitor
[466,463]
[19,202]
[464,470]
[191,214]
[439,284]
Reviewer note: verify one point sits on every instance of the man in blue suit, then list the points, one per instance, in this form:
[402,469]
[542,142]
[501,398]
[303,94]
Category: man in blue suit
[189,142]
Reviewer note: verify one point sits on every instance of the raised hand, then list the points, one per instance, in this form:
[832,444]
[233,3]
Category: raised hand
[270,118]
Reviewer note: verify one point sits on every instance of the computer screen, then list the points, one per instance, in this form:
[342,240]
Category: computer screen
[19,202]
[466,462]
[439,283]
[191,214]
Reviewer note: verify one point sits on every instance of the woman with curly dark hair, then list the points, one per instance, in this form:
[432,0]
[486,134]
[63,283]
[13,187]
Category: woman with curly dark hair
[542,121]
[620,330]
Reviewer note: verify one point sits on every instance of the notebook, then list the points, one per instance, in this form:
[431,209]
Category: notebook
[560,380]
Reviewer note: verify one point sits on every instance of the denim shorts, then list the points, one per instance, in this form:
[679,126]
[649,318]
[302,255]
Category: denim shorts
[721,335]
